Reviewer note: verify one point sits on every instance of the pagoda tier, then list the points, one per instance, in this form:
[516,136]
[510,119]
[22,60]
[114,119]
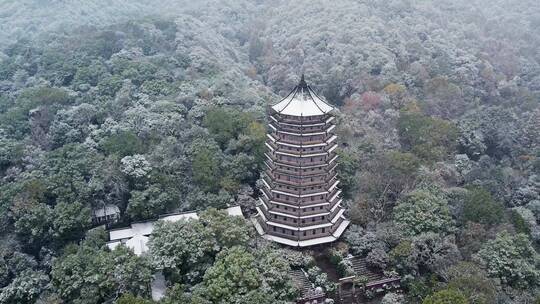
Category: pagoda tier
[300,202]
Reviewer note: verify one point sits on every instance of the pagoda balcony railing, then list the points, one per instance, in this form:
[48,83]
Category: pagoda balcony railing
[283,233]
[303,213]
[293,199]
[300,128]
[304,179]
[320,173]
[304,120]
[310,211]
[304,182]
[303,201]
[302,133]
[300,162]
[306,163]
[302,140]
[290,190]
[275,166]
[298,210]
[299,192]
[299,235]
[302,151]
[298,223]
[302,222]
[300,172]
[275,140]
[305,140]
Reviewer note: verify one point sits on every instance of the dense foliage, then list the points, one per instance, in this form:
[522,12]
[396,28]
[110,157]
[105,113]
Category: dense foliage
[160,108]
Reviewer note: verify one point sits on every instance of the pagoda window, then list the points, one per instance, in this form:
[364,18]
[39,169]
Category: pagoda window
[323,229]
[284,218]
[275,216]
[292,232]
[294,221]
[312,208]
[313,219]
[286,208]
[304,233]
[314,231]
[274,228]
[283,230]
[303,221]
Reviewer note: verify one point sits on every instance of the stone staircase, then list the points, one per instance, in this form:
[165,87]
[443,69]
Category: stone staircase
[300,279]
[361,269]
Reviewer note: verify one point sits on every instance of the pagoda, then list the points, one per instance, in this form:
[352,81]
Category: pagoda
[300,201]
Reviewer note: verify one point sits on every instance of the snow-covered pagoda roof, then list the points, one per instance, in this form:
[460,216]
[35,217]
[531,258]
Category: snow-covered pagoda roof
[302,101]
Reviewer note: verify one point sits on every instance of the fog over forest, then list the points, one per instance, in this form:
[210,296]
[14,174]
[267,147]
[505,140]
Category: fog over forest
[155,107]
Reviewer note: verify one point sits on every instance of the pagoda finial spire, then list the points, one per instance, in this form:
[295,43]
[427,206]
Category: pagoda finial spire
[302,83]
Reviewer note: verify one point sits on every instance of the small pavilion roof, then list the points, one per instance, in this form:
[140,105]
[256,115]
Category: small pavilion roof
[302,101]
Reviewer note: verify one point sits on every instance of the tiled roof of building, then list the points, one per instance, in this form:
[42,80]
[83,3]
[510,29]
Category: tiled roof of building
[106,210]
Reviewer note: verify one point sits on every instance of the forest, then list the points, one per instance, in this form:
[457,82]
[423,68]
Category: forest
[159,107]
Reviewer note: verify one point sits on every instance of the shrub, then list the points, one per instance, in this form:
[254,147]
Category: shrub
[480,207]
[447,296]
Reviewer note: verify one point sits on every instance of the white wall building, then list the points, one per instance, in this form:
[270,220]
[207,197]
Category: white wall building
[136,236]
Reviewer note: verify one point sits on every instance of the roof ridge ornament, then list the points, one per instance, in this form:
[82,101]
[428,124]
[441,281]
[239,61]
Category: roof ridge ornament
[302,84]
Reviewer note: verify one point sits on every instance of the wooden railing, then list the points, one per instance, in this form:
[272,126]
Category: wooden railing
[299,128]
[300,171]
[300,222]
[301,202]
[305,180]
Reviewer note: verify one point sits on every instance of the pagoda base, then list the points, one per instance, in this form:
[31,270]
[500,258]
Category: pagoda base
[311,242]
